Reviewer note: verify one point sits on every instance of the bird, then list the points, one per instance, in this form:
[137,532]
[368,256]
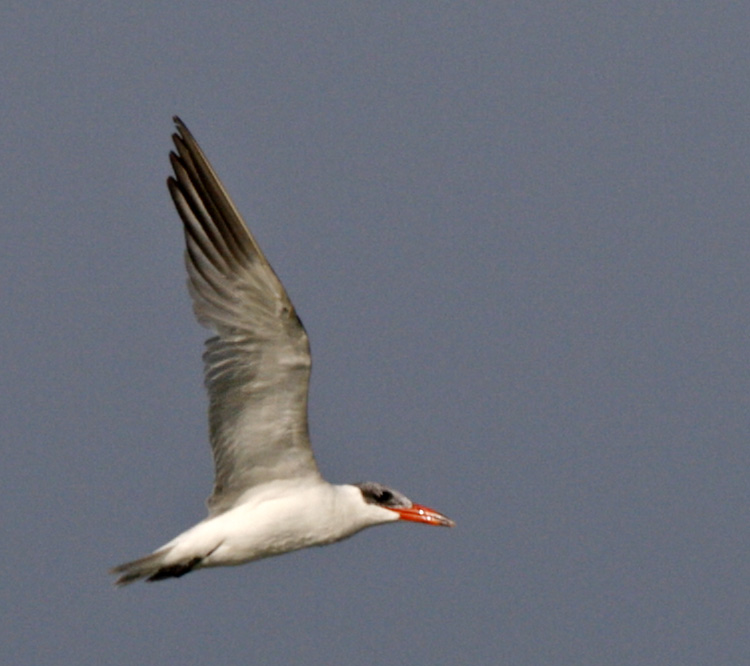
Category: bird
[269,496]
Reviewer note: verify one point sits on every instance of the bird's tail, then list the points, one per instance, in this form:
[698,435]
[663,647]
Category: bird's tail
[153,567]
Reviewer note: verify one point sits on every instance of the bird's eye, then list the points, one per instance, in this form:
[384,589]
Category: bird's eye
[385,497]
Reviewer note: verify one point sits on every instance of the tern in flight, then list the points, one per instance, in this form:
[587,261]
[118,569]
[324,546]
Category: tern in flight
[268,497]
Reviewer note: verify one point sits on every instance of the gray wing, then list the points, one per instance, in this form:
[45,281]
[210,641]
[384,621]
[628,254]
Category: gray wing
[257,367]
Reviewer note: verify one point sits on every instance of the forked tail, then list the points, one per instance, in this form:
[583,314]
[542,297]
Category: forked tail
[153,567]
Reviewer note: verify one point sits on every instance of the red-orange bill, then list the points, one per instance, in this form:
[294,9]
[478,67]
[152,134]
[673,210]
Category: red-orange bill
[422,514]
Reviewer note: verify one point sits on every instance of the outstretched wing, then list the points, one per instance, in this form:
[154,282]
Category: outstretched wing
[257,367]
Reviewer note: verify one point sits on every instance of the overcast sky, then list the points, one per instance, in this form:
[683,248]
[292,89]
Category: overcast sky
[517,234]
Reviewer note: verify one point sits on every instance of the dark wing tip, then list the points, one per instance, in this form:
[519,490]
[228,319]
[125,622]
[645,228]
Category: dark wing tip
[182,133]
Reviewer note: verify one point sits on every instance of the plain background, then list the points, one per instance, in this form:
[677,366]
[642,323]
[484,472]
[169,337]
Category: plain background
[517,233]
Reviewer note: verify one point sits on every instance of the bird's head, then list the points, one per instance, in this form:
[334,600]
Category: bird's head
[392,500]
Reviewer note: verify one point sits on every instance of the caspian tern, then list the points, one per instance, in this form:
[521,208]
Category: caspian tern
[268,497]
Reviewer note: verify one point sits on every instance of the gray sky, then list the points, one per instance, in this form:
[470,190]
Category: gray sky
[517,234]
